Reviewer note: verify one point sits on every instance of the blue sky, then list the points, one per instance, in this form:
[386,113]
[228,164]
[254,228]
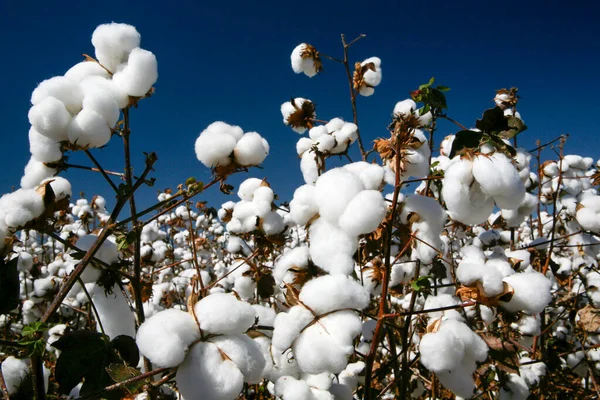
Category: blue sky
[230,61]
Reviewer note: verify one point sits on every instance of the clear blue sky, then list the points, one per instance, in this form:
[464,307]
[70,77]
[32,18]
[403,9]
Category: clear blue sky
[229,60]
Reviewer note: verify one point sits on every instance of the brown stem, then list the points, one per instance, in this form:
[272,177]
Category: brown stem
[123,383]
[102,171]
[37,368]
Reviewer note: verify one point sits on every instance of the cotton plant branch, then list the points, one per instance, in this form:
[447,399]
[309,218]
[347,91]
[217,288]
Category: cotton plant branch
[126,382]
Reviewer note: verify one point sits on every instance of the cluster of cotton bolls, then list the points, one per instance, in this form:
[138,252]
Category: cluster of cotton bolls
[333,138]
[348,203]
[221,144]
[83,106]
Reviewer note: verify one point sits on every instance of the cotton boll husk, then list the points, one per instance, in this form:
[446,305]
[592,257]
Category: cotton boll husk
[63,89]
[15,373]
[50,118]
[245,353]
[42,148]
[325,346]
[165,337]
[95,83]
[296,258]
[89,129]
[205,375]
[331,248]
[364,213]
[334,190]
[214,148]
[140,73]
[288,108]
[333,292]
[84,69]
[251,149]
[287,326]
[103,102]
[532,292]
[303,206]
[113,311]
[309,167]
[222,313]
[371,175]
[35,172]
[113,43]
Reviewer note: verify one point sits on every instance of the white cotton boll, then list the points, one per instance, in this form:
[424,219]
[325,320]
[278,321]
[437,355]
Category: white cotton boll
[221,313]
[334,190]
[20,207]
[164,338]
[206,374]
[42,148]
[140,73]
[490,278]
[309,167]
[84,69]
[288,109]
[113,311]
[103,102]
[15,373]
[499,178]
[263,194]
[96,83]
[108,250]
[528,325]
[366,91]
[532,292]
[272,224]
[331,248]
[335,124]
[325,346]
[294,258]
[234,244]
[371,175]
[251,149]
[289,388]
[441,351]
[303,206]
[35,172]
[333,292]
[287,326]
[466,203]
[364,213]
[248,187]
[63,89]
[245,353]
[113,43]
[214,148]
[325,143]
[515,388]
[318,132]
[459,381]
[50,118]
[88,129]
[405,107]
[304,144]
[475,347]
[300,64]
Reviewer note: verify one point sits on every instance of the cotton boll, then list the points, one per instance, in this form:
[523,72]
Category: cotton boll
[309,167]
[42,148]
[63,89]
[140,73]
[303,206]
[103,102]
[107,252]
[20,207]
[371,175]
[85,69]
[245,353]
[207,375]
[304,144]
[251,149]
[213,148]
[35,172]
[165,337]
[364,213]
[287,326]
[334,190]
[96,83]
[366,91]
[325,143]
[441,351]
[532,292]
[331,248]
[499,178]
[289,388]
[295,258]
[113,43]
[405,107]
[113,312]
[88,129]
[515,388]
[302,64]
[466,203]
[221,313]
[333,292]
[50,118]
[15,373]
[272,224]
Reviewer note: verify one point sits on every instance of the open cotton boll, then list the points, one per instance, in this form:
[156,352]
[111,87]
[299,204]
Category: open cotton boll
[364,213]
[42,148]
[334,190]
[303,145]
[287,326]
[50,118]
[113,43]
[205,374]
[60,186]
[405,107]
[35,172]
[289,388]
[302,64]
[88,129]
[213,148]
[272,224]
[325,143]
[331,248]
[371,175]
[248,187]
[20,207]
[84,69]
[113,312]
[317,132]
[334,292]
[140,73]
[325,346]
[515,388]
[309,167]
[108,250]
[490,278]
[245,353]
[303,206]
[104,103]
[441,351]
[532,292]
[221,313]
[95,83]
[500,179]
[251,149]
[294,258]
[466,203]
[15,373]
[164,338]
[288,109]
[63,89]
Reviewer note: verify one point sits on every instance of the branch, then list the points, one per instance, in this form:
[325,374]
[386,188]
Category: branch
[123,383]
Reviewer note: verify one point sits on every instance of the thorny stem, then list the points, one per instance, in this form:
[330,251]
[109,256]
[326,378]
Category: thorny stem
[123,383]
[353,92]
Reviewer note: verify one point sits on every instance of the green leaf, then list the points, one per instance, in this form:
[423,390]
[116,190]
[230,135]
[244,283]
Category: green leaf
[493,121]
[9,286]
[33,328]
[466,139]
[189,181]
[119,373]
[442,88]
[515,126]
[421,283]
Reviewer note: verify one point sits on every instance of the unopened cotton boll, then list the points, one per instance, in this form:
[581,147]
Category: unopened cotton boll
[251,149]
[42,148]
[140,73]
[221,313]
[84,69]
[531,292]
[63,89]
[364,213]
[50,118]
[88,129]
[113,43]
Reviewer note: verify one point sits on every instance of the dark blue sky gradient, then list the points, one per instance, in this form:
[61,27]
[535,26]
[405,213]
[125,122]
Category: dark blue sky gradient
[230,61]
